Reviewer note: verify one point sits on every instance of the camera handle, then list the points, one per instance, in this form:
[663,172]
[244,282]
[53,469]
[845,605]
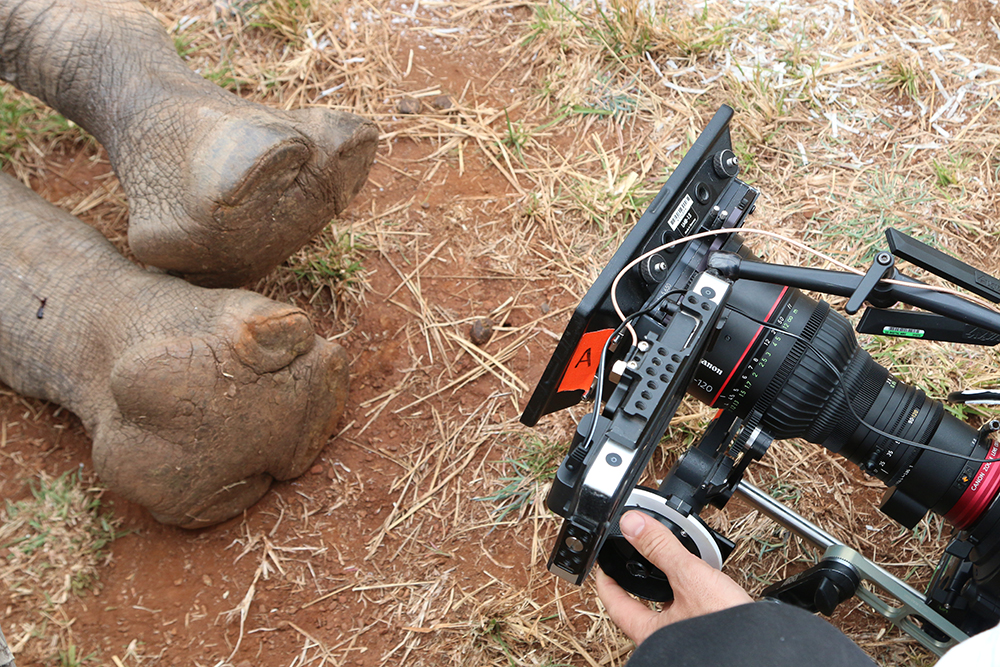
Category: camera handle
[842,568]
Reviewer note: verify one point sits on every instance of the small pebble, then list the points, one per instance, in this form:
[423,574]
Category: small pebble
[481,331]
[317,469]
[408,105]
[442,103]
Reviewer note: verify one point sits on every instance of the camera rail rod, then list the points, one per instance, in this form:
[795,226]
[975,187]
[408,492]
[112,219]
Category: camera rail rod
[845,284]
[913,607]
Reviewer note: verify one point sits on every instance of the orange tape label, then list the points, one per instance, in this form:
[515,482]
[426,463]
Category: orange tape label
[583,364]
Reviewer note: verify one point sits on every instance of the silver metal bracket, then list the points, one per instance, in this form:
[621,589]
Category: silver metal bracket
[912,607]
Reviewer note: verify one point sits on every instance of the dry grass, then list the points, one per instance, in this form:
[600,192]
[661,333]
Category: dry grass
[851,117]
[29,132]
[54,545]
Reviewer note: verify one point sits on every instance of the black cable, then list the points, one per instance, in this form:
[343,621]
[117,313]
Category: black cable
[850,405]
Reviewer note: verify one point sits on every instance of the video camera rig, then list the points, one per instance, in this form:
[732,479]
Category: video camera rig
[683,306]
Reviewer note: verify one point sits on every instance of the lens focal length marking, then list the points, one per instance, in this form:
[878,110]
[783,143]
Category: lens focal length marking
[764,351]
[749,346]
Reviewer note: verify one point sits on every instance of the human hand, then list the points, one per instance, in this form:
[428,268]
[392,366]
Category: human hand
[698,587]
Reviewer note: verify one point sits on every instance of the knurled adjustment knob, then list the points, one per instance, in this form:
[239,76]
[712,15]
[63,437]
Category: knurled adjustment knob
[725,164]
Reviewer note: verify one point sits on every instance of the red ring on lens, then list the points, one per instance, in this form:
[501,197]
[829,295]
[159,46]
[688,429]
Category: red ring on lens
[753,341]
[981,491]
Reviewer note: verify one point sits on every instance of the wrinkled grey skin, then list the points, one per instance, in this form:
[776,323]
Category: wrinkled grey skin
[220,190]
[196,399]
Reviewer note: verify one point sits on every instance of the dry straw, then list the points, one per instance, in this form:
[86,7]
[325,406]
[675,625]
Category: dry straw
[851,116]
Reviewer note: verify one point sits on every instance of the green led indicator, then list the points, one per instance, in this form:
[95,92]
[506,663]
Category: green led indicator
[902,331]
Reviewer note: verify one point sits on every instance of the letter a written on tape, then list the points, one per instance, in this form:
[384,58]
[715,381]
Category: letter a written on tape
[582,367]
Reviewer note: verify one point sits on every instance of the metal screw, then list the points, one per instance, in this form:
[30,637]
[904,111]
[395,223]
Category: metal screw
[633,365]
[643,345]
[636,569]
[708,292]
[883,258]
[660,266]
[617,369]
[574,544]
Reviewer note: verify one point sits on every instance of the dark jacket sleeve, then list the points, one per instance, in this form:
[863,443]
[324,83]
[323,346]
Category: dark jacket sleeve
[762,634]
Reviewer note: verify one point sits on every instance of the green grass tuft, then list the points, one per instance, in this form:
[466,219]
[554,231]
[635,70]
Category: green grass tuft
[58,536]
[287,18]
[24,120]
[535,464]
[71,658]
[329,262]
[903,78]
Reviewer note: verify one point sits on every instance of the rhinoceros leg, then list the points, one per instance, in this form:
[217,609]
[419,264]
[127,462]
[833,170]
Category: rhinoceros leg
[196,399]
[220,190]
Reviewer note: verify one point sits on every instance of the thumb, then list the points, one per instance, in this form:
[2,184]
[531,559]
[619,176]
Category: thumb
[656,542]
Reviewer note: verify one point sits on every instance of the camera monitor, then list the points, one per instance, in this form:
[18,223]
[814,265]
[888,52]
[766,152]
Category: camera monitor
[701,194]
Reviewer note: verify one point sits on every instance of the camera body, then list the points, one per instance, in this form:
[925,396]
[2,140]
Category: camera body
[684,307]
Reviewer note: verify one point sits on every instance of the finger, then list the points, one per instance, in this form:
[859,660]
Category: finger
[632,616]
[656,542]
